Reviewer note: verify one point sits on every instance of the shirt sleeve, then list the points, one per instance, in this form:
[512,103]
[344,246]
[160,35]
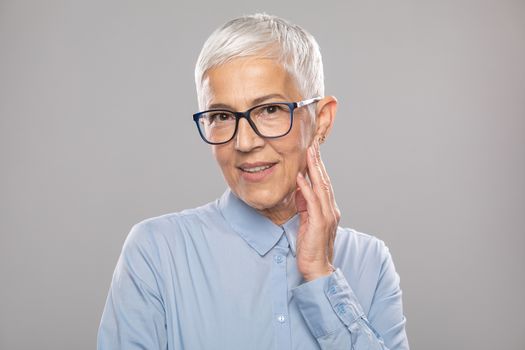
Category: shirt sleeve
[134,316]
[336,319]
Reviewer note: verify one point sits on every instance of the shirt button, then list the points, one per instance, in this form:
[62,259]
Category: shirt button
[341,308]
[281,318]
[278,259]
[332,290]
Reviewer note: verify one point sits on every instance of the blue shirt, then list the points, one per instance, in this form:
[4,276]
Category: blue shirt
[223,276]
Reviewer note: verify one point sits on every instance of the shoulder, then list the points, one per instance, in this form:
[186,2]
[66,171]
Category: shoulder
[366,263]
[359,245]
[154,232]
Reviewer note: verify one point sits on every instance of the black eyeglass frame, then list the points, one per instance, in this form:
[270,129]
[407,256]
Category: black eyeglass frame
[246,114]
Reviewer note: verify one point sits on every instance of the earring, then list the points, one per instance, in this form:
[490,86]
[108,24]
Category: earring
[321,139]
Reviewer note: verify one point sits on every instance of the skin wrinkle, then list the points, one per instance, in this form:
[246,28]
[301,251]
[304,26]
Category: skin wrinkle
[273,51]
[237,84]
[240,83]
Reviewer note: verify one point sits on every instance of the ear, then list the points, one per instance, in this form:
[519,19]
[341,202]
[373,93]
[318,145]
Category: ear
[325,117]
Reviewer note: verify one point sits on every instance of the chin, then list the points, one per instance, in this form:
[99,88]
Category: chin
[261,199]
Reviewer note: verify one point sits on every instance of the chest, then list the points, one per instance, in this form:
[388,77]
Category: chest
[234,299]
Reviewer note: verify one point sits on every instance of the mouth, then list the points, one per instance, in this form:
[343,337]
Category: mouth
[255,167]
[256,171]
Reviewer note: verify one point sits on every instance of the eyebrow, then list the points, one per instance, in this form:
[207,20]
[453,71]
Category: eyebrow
[254,102]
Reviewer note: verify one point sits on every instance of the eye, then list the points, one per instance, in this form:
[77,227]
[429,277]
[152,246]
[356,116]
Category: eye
[270,109]
[219,117]
[222,116]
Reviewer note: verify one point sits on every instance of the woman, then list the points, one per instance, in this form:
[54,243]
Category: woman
[265,266]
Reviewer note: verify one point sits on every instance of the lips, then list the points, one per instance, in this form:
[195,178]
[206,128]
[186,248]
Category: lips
[255,167]
[256,172]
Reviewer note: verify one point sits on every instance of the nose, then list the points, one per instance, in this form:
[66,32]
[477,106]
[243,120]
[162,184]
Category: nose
[246,139]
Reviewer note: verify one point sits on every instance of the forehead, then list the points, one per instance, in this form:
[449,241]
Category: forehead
[242,80]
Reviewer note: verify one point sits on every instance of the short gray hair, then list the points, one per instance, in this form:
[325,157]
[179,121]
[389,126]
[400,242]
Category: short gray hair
[263,35]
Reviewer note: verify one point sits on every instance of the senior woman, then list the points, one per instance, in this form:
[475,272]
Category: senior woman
[265,266]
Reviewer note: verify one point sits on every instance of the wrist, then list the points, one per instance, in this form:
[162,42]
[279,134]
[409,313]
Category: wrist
[318,274]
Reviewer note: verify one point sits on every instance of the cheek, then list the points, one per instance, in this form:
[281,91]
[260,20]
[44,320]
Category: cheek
[294,162]
[306,130]
[302,133]
[302,139]
[222,155]
[295,148]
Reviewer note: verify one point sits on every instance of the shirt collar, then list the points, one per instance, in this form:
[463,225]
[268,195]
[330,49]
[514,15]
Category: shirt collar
[257,230]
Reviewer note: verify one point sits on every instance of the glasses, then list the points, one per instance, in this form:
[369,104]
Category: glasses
[268,120]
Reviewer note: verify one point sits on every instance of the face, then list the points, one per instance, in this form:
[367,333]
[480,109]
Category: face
[262,172]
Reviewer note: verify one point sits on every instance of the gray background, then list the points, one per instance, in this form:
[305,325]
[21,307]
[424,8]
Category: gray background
[428,152]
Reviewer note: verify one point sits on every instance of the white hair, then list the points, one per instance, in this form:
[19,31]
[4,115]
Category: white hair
[263,35]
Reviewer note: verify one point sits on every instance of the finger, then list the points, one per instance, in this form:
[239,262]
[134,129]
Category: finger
[329,206]
[319,183]
[300,201]
[322,168]
[311,201]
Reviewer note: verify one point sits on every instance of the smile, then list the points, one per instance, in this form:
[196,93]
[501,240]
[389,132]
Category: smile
[256,172]
[257,168]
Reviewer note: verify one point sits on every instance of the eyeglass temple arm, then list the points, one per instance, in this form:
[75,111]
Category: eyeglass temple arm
[307,102]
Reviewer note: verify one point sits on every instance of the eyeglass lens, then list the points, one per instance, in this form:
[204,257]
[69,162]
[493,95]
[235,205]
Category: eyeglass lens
[271,120]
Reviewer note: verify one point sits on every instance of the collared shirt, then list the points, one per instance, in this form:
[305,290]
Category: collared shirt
[223,276]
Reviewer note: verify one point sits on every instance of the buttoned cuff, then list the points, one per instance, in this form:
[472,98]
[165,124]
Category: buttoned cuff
[327,304]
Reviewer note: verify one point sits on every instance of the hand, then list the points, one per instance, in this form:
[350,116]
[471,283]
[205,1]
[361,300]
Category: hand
[319,217]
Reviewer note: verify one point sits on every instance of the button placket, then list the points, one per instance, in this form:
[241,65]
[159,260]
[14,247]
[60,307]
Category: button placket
[278,258]
[280,294]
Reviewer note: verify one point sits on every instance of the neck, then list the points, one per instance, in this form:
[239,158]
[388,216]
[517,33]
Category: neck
[283,211]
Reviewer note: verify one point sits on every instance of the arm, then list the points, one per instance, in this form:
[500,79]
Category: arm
[134,316]
[327,302]
[336,318]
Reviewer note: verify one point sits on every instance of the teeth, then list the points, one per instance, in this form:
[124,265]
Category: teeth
[257,169]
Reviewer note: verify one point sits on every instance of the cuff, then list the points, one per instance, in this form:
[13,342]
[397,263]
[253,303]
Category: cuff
[327,304]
